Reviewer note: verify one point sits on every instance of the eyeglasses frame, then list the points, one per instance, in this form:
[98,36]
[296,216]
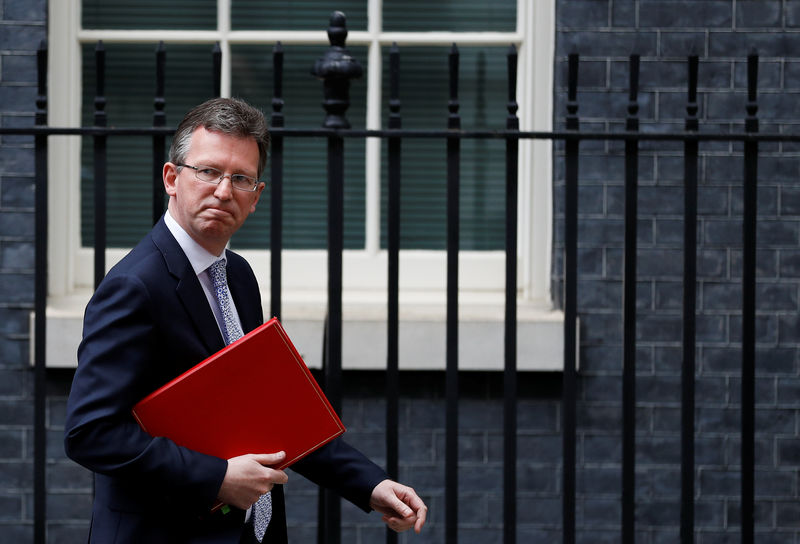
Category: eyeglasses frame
[222,176]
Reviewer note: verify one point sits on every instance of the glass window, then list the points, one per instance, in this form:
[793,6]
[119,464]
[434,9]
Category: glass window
[424,95]
[450,15]
[295,14]
[305,193]
[150,14]
[130,85]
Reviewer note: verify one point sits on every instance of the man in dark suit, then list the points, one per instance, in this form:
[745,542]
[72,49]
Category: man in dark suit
[159,312]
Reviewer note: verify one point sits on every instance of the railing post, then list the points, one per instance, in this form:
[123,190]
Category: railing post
[276,184]
[40,308]
[451,377]
[750,194]
[629,312]
[393,256]
[690,148]
[100,168]
[510,338]
[159,140]
[336,68]
[569,377]
[216,69]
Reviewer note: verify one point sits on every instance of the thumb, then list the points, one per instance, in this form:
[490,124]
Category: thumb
[269,459]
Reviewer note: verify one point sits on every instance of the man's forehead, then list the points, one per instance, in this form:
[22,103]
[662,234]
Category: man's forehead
[201,131]
[207,141]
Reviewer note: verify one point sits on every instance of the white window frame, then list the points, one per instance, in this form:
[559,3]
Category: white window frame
[422,278]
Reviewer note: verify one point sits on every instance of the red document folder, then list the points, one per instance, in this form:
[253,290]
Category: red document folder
[256,395]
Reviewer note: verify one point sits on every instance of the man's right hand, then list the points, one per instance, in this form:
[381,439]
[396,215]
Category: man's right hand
[250,476]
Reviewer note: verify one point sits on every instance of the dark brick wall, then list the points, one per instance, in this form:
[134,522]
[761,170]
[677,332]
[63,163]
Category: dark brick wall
[722,32]
[22,27]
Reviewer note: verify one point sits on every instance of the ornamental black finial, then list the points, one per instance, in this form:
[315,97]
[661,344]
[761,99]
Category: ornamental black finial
[336,68]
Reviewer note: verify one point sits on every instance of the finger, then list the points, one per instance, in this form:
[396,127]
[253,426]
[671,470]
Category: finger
[397,502]
[397,524]
[422,516]
[279,476]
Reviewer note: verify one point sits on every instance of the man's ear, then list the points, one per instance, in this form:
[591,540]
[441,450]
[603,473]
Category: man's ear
[258,192]
[169,175]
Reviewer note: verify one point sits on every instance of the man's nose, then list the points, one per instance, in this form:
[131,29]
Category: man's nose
[224,191]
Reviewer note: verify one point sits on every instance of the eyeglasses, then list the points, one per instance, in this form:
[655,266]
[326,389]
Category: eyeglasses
[212,175]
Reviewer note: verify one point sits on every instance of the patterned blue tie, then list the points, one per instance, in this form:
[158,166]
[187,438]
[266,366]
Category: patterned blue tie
[231,332]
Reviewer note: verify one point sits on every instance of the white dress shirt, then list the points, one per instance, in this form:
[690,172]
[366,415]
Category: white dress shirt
[201,259]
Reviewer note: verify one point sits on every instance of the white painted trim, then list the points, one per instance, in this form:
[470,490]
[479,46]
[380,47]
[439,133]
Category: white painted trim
[372,159]
[298,37]
[64,93]
[536,157]
[422,341]
[224,29]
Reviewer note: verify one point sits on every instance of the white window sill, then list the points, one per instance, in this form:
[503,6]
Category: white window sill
[540,331]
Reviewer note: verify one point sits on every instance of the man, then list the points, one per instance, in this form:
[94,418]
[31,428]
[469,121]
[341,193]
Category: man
[159,312]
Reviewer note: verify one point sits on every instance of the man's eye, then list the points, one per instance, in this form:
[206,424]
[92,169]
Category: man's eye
[240,178]
[209,172]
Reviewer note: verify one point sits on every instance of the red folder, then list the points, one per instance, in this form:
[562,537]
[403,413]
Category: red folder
[256,395]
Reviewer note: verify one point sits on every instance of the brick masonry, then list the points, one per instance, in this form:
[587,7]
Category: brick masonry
[22,27]
[604,32]
[722,33]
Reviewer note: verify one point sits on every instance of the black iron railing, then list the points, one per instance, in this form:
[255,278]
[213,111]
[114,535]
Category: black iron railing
[336,129]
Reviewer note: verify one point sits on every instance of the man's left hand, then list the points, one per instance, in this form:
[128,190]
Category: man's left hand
[400,505]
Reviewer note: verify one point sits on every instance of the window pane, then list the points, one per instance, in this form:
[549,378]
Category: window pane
[150,14]
[295,14]
[305,160]
[130,86]
[450,15]
[424,95]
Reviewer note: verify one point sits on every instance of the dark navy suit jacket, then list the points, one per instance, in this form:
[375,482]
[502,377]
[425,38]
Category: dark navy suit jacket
[149,321]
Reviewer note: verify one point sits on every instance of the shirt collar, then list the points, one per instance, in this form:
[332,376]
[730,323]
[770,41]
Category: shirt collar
[198,256]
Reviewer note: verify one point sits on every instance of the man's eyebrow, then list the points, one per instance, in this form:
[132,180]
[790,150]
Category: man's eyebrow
[213,164]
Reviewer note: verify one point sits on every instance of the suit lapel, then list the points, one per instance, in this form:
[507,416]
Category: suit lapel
[188,288]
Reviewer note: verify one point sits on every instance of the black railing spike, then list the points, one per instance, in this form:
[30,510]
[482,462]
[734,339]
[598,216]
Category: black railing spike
[572,92]
[691,106]
[633,85]
[692,81]
[751,121]
[100,70]
[752,76]
[41,74]
[159,117]
[277,78]
[512,79]
[159,141]
[452,104]
[394,83]
[216,69]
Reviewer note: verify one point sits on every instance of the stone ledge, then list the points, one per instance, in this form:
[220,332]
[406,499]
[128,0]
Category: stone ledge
[540,332]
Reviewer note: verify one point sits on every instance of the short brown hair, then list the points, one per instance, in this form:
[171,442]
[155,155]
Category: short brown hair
[231,116]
